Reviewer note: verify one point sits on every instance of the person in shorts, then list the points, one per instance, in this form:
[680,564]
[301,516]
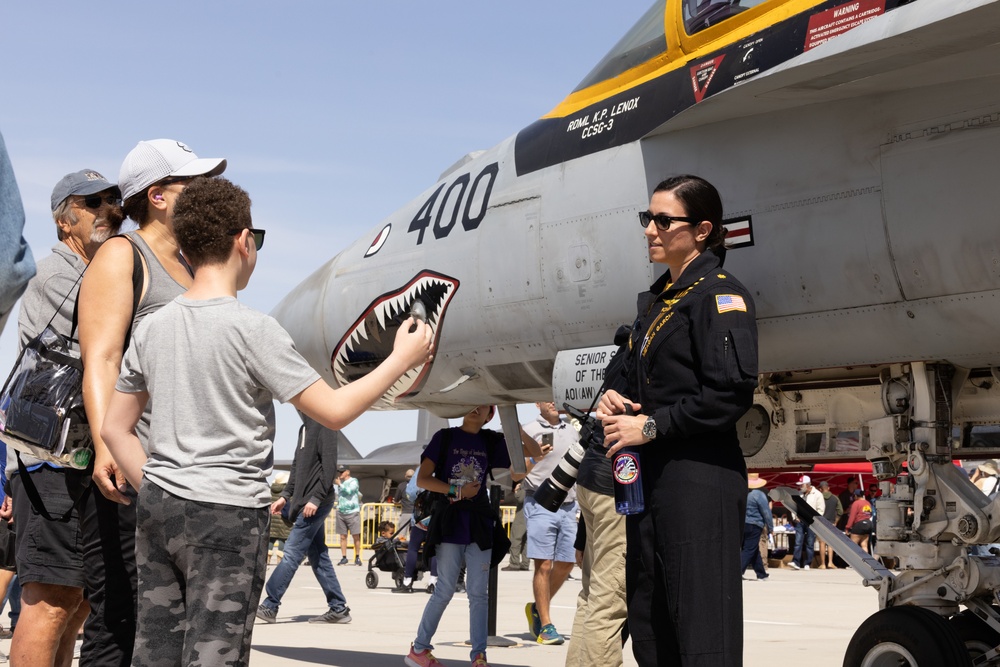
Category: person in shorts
[550,534]
[46,497]
[348,521]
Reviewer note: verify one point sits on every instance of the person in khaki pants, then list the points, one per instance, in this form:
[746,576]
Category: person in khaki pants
[600,607]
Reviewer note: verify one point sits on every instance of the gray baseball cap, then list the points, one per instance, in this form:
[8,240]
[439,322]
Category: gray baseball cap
[152,161]
[83,182]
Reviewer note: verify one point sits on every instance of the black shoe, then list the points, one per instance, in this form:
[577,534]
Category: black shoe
[403,588]
[331,616]
[460,587]
[430,589]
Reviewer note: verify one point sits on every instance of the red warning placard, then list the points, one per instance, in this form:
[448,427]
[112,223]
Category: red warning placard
[826,25]
[701,76]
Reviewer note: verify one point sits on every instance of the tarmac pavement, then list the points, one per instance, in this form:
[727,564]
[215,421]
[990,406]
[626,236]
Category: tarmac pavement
[795,617]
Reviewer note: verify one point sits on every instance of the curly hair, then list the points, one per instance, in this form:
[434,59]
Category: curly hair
[701,200]
[205,215]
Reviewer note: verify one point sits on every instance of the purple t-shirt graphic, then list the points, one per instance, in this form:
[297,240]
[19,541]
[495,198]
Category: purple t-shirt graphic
[467,461]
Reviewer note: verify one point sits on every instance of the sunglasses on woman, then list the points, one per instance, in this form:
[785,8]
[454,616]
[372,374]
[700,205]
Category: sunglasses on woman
[258,235]
[662,220]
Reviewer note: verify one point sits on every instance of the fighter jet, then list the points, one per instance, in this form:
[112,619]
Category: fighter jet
[855,146]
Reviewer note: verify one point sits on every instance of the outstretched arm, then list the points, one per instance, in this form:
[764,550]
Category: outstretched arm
[336,408]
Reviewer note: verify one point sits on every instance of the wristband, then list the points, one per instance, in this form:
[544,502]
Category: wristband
[451,490]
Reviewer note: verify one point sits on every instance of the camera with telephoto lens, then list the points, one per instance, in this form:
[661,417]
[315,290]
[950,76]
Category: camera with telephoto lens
[552,492]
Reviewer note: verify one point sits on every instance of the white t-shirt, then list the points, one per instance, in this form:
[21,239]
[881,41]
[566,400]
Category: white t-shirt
[213,369]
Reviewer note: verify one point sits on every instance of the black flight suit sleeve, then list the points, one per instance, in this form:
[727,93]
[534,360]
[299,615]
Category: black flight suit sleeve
[724,347]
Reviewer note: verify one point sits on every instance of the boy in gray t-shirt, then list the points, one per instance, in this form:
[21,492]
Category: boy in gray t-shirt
[212,368]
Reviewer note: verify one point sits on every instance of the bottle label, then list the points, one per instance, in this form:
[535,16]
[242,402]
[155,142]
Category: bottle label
[626,468]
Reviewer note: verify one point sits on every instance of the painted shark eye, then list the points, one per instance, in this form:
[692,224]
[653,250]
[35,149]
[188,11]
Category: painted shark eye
[369,340]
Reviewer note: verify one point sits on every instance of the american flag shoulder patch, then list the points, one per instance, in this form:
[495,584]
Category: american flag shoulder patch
[728,302]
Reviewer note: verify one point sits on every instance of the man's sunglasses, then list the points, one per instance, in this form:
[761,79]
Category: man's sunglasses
[95,201]
[258,235]
[662,220]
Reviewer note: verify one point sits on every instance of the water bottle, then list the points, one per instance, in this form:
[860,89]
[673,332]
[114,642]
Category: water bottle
[626,472]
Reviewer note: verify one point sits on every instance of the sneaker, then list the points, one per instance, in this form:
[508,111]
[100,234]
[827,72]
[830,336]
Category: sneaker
[805,567]
[480,660]
[403,588]
[794,565]
[421,658]
[342,561]
[332,616]
[764,578]
[357,561]
[549,635]
[534,621]
[267,614]
[430,589]
[5,633]
[460,587]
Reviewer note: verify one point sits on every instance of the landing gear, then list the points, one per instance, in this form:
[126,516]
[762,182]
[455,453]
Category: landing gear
[906,637]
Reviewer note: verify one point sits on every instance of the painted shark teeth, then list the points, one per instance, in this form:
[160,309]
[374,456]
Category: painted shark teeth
[369,341]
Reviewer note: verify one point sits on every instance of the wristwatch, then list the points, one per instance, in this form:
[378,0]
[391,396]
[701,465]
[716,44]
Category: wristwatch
[649,428]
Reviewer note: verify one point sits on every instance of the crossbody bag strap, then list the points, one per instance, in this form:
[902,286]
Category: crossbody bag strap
[138,276]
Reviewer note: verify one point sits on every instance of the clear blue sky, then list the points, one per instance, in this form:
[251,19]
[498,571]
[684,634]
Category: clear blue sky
[332,114]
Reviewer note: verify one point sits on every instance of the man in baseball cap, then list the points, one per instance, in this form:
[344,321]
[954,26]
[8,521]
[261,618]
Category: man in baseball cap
[152,177]
[86,208]
[805,538]
[51,565]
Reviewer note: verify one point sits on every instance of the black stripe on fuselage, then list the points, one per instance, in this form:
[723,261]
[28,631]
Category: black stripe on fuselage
[630,115]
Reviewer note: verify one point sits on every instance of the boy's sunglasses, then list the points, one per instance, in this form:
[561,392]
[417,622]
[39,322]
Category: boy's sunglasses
[95,201]
[258,235]
[662,220]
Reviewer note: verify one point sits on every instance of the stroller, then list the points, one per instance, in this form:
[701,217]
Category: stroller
[390,556]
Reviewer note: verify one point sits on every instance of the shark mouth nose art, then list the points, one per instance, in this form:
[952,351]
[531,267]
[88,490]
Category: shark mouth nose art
[369,340]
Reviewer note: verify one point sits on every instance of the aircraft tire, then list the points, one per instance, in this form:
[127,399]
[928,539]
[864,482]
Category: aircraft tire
[900,636]
[371,579]
[977,636]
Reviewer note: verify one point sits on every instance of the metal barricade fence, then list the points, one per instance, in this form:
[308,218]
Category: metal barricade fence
[372,514]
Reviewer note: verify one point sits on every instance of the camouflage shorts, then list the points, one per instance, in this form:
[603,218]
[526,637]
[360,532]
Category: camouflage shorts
[201,571]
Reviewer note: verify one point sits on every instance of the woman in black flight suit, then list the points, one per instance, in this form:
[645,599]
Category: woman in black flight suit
[690,375]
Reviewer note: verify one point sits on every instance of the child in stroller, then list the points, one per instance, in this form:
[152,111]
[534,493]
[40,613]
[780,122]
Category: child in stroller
[389,556]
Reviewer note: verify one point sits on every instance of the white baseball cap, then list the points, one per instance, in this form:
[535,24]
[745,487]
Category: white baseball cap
[152,161]
[805,479]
